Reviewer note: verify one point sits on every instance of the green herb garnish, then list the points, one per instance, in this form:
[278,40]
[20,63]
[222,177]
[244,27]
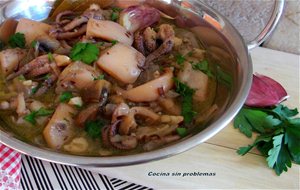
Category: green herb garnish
[114,16]
[116,9]
[44,112]
[85,52]
[93,128]
[187,100]
[202,66]
[78,106]
[180,59]
[33,43]
[278,134]
[65,96]
[224,77]
[35,89]
[248,120]
[114,42]
[21,78]
[31,118]
[50,57]
[17,40]
[100,77]
[187,108]
[45,77]
[182,132]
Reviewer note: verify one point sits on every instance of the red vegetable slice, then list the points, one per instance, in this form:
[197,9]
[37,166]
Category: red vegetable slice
[265,92]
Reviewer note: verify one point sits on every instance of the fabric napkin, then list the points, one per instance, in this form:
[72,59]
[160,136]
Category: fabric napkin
[19,171]
[10,167]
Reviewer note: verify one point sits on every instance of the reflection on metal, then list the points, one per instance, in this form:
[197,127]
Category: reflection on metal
[31,9]
[271,25]
[212,21]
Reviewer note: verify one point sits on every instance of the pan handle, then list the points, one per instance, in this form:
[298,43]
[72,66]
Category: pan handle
[271,25]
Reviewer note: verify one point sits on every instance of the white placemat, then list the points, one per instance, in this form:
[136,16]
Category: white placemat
[37,174]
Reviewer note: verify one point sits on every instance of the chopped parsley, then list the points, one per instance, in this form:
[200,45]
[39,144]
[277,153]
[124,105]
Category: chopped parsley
[224,77]
[50,57]
[35,89]
[31,117]
[33,43]
[100,77]
[85,52]
[45,77]
[93,128]
[114,42]
[65,96]
[116,9]
[78,106]
[21,78]
[187,100]
[17,40]
[180,59]
[182,88]
[182,132]
[114,16]
[202,66]
[278,134]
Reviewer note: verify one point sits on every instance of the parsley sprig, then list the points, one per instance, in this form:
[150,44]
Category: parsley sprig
[115,13]
[65,96]
[100,77]
[187,100]
[17,40]
[202,66]
[182,132]
[180,59]
[93,128]
[224,77]
[278,134]
[31,117]
[114,42]
[85,52]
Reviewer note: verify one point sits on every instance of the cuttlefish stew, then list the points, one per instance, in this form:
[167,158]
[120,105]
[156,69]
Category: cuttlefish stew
[104,82]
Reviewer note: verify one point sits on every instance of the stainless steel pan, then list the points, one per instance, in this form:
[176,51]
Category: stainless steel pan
[223,42]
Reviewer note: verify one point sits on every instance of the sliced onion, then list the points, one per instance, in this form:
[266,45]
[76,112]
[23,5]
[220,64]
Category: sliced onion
[265,92]
[138,17]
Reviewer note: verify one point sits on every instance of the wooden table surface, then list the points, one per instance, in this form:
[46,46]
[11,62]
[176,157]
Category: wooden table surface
[218,154]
